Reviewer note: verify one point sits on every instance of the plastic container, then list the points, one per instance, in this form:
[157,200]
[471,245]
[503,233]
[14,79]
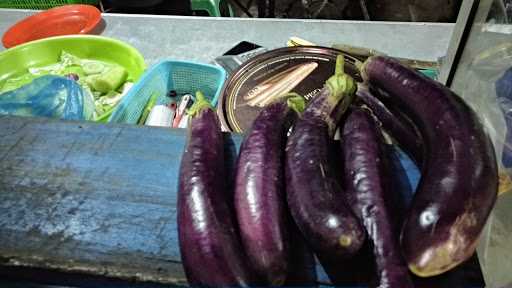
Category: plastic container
[17,60]
[64,20]
[180,76]
[42,4]
[214,8]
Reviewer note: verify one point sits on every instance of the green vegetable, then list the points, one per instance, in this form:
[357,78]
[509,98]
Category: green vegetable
[200,104]
[93,67]
[96,95]
[90,80]
[67,59]
[54,69]
[89,107]
[147,109]
[109,80]
[17,82]
[110,99]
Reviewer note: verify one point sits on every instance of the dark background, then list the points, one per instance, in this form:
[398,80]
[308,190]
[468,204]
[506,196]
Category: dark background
[375,10]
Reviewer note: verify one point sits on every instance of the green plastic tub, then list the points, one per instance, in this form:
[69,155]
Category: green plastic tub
[42,4]
[14,62]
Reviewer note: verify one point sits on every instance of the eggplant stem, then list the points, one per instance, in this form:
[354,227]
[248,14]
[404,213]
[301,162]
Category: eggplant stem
[199,105]
[341,84]
[340,65]
[362,67]
[296,102]
[359,65]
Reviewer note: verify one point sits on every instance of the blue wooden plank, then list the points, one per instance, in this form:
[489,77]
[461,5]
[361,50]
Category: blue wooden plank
[90,198]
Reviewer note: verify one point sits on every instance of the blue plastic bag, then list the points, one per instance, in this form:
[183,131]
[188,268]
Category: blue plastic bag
[504,94]
[48,96]
[504,85]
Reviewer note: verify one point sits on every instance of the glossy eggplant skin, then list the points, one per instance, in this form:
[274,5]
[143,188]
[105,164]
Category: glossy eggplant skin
[260,199]
[368,190]
[459,182]
[398,126]
[210,248]
[314,196]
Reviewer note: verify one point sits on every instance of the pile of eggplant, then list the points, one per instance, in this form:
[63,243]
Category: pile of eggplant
[300,194]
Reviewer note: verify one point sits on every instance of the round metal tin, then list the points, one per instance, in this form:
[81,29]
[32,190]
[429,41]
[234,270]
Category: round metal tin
[303,70]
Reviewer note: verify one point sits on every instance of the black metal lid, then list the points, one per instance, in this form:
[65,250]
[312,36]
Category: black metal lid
[301,69]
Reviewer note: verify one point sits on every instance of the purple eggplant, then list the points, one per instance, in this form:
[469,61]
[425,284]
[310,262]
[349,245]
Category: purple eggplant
[210,248]
[459,181]
[369,194]
[259,190]
[302,264]
[314,196]
[398,126]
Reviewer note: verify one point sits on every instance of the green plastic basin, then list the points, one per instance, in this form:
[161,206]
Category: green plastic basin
[14,62]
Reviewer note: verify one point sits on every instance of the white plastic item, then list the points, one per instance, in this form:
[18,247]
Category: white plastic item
[184,121]
[161,116]
[181,110]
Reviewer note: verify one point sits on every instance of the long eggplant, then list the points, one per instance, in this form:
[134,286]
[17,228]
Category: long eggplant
[314,196]
[399,127]
[368,192]
[259,190]
[459,179]
[302,267]
[210,248]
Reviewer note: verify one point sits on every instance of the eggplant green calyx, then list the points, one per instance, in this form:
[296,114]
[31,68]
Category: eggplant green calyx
[341,84]
[199,105]
[296,102]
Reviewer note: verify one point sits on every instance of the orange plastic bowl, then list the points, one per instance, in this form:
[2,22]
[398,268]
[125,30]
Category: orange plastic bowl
[64,20]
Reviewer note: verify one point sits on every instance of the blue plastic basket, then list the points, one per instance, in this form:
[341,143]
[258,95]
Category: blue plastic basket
[180,76]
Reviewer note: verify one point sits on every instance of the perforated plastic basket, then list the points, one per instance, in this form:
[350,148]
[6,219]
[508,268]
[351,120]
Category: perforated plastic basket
[180,76]
[41,4]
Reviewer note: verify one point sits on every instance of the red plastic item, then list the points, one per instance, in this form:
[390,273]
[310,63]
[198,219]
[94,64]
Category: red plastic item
[64,20]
